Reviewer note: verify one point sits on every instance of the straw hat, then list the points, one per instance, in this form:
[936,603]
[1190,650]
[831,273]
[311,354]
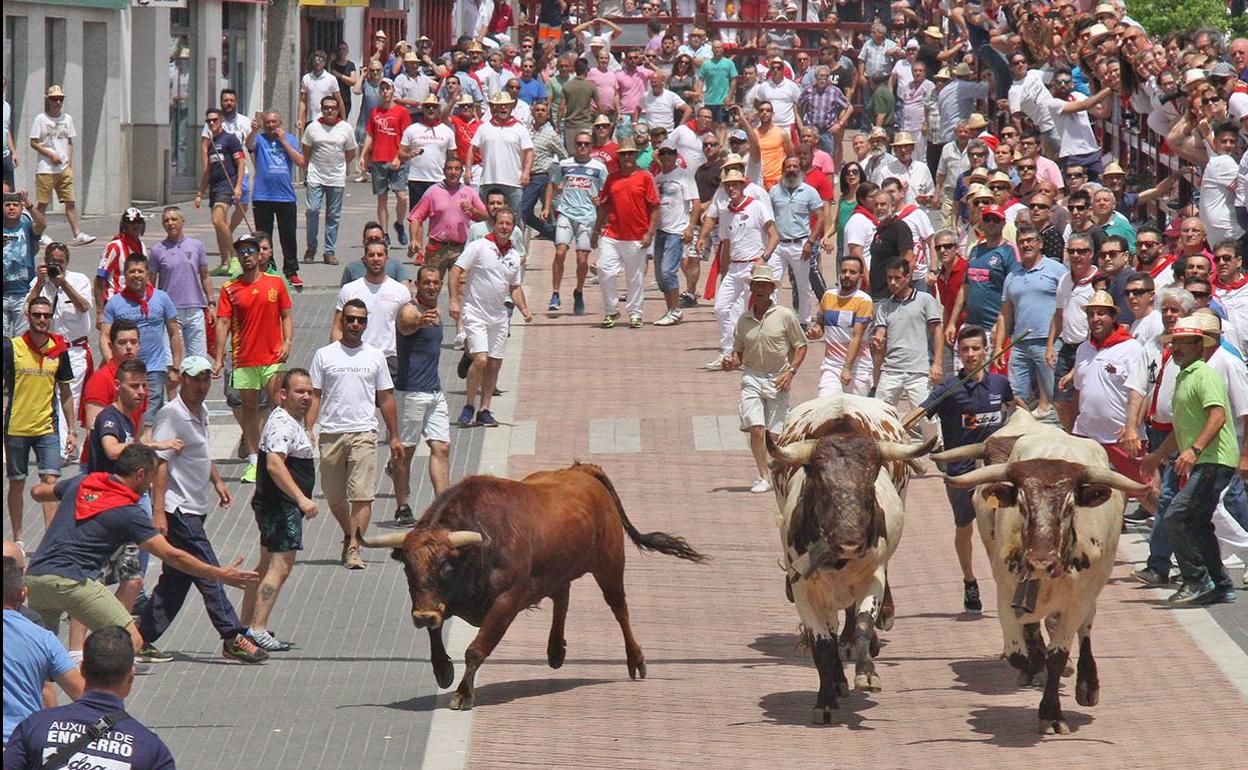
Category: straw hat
[502,97]
[1113,169]
[1193,76]
[1189,326]
[963,70]
[763,273]
[934,32]
[976,121]
[1098,31]
[999,177]
[1103,299]
[902,138]
[733,159]
[602,120]
[732,175]
[943,74]
[978,191]
[626,145]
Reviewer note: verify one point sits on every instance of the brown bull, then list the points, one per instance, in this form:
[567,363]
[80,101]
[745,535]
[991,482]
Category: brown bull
[490,547]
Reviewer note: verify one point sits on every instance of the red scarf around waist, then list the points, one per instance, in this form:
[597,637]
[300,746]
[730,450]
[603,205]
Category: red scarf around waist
[99,492]
[142,300]
[59,346]
[1119,334]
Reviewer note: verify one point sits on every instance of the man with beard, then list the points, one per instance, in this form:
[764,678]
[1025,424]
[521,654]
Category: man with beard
[1230,287]
[842,321]
[796,205]
[1149,257]
[892,240]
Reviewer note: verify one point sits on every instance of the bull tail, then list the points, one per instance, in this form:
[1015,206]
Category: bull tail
[662,542]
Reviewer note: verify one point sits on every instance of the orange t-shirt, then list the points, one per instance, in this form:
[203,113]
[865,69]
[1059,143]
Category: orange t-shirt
[771,155]
[255,313]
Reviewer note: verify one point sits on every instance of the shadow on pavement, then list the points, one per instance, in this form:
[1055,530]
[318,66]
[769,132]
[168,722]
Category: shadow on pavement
[1017,726]
[494,694]
[989,676]
[795,708]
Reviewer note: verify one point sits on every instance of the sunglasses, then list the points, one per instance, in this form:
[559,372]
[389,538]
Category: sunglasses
[1076,175]
[946,246]
[355,319]
[710,144]
[213,120]
[1077,208]
[1041,206]
[1025,166]
[1110,252]
[39,315]
[1078,251]
[1223,257]
[1200,294]
[584,144]
[249,250]
[1138,292]
[1143,244]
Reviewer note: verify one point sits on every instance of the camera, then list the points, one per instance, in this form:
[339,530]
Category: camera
[54,270]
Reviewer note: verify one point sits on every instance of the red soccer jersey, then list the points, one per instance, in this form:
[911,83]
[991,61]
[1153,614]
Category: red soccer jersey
[629,201]
[606,154]
[386,128]
[255,313]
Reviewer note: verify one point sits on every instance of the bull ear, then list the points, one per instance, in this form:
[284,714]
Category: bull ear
[1000,495]
[1092,495]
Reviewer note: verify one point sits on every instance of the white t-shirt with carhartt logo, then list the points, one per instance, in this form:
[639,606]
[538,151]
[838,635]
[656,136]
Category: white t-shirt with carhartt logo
[349,380]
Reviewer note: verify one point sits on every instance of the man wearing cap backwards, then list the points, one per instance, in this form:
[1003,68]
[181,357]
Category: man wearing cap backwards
[380,158]
[628,216]
[424,147]
[769,347]
[181,490]
[1208,455]
[254,321]
[52,136]
[750,238]
[506,151]
[1109,365]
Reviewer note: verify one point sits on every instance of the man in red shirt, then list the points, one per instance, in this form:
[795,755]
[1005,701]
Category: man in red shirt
[630,210]
[465,120]
[253,319]
[100,389]
[380,158]
[604,149]
[952,273]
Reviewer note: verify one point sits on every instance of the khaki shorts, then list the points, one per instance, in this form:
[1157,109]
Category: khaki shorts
[349,466]
[87,601]
[442,255]
[63,183]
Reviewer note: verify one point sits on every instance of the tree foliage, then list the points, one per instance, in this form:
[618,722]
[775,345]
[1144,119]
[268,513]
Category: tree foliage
[1160,17]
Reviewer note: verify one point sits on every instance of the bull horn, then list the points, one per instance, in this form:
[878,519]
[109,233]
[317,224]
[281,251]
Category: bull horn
[1114,479]
[891,451]
[465,537]
[388,540]
[986,475]
[797,453]
[957,454]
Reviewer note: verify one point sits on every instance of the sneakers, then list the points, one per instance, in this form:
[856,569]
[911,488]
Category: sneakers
[688,300]
[401,232]
[554,302]
[1136,516]
[1151,578]
[267,641]
[354,559]
[670,318]
[717,364]
[295,281]
[578,303]
[486,420]
[249,475]
[82,239]
[634,322]
[970,598]
[149,654]
[653,286]
[608,321]
[1042,414]
[45,240]
[243,650]
[761,486]
[1204,593]
[403,515]
[466,415]
[219,270]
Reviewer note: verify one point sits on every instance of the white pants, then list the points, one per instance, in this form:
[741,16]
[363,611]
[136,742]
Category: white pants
[790,255]
[730,300]
[830,379]
[892,385]
[615,257]
[78,363]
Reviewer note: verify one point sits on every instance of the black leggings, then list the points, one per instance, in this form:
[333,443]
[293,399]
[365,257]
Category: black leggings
[287,215]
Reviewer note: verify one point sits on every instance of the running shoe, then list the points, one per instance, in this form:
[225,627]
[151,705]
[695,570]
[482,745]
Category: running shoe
[249,475]
[688,300]
[717,364]
[355,560]
[243,650]
[82,239]
[149,654]
[761,486]
[554,302]
[634,322]
[403,515]
[608,321]
[578,303]
[295,281]
[970,598]
[266,641]
[465,417]
[486,420]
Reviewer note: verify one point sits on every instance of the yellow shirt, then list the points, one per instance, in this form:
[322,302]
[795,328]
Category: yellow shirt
[31,379]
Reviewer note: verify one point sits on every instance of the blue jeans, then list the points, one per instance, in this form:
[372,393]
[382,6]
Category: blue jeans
[47,456]
[155,392]
[1236,501]
[1160,550]
[186,531]
[514,196]
[1190,521]
[1028,368]
[332,197]
[667,250]
[194,331]
[530,197]
[827,143]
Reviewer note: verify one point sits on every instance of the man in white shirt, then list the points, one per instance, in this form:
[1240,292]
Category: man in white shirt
[315,86]
[861,227]
[1069,327]
[1078,145]
[349,377]
[424,147]
[381,295]
[485,276]
[782,92]
[1218,184]
[411,86]
[1029,96]
[52,136]
[662,106]
[688,139]
[329,147]
[678,219]
[1230,286]
[72,318]
[506,151]
[752,239]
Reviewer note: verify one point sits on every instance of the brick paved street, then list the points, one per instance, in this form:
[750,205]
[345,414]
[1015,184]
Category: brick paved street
[727,687]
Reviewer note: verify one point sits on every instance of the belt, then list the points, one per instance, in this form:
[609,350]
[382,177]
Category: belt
[802,239]
[1161,426]
[745,261]
[81,342]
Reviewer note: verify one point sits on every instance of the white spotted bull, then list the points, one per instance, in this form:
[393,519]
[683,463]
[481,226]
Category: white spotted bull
[840,470]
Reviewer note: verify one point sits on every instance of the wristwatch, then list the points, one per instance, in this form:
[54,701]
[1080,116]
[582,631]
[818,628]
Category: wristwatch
[1196,450]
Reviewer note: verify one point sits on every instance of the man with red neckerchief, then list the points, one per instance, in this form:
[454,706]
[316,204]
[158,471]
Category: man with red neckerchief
[1109,365]
[36,364]
[1148,257]
[506,151]
[1069,327]
[1230,287]
[628,215]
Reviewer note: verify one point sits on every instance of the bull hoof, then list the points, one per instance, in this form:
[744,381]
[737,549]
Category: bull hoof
[1086,695]
[556,655]
[885,622]
[867,683]
[1069,671]
[637,670]
[822,715]
[1054,727]
[461,702]
[444,672]
[1037,679]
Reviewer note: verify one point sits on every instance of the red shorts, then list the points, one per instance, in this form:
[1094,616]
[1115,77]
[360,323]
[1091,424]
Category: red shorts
[1128,466]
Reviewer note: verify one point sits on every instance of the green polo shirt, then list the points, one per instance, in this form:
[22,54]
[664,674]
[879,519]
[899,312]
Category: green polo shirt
[1197,388]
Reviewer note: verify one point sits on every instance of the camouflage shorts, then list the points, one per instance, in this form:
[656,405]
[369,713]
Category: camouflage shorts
[281,528]
[126,563]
